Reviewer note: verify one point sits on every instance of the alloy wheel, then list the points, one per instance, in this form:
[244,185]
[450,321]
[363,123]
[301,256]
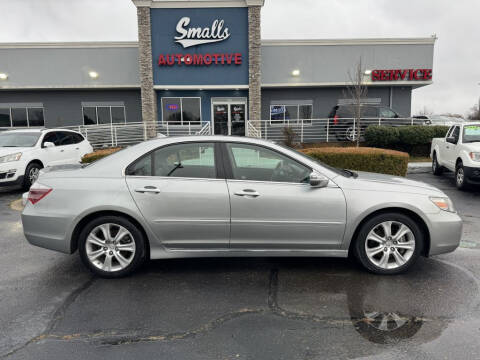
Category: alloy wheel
[460,176]
[390,245]
[351,133]
[33,174]
[110,247]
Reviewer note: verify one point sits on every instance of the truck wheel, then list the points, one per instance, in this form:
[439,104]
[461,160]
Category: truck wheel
[460,179]
[436,168]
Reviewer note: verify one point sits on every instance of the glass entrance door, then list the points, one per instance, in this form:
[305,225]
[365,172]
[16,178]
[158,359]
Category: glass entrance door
[237,119]
[220,119]
[229,117]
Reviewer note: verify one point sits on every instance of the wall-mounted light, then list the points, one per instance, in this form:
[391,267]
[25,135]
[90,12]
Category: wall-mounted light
[368,72]
[93,74]
[3,76]
[296,72]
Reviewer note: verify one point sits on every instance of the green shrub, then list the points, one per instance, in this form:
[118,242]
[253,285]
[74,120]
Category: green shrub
[96,155]
[362,159]
[415,139]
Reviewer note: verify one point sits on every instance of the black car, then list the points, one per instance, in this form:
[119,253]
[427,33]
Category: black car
[341,123]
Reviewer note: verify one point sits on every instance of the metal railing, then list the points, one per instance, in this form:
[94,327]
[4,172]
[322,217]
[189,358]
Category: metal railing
[115,135]
[303,131]
[319,130]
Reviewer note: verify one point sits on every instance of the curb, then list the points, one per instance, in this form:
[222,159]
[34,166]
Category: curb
[419,168]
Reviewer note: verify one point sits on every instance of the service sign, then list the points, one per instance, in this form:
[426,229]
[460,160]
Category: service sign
[402,75]
[200,46]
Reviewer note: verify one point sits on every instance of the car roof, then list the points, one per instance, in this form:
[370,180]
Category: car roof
[38,130]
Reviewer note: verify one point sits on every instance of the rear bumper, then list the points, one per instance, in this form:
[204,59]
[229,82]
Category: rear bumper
[48,232]
[445,232]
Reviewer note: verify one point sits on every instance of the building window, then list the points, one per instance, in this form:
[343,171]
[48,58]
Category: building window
[290,113]
[21,115]
[100,114]
[181,111]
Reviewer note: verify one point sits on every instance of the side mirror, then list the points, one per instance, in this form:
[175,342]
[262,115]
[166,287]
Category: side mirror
[318,181]
[451,140]
[48,144]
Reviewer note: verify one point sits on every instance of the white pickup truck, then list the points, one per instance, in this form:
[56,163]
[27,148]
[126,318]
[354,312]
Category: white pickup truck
[459,151]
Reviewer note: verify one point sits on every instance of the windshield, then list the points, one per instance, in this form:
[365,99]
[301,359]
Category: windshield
[338,171]
[19,139]
[471,133]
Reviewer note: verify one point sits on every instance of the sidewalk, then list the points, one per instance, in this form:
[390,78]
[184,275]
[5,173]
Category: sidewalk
[419,167]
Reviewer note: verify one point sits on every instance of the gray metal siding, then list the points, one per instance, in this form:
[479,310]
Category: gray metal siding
[64,107]
[331,63]
[69,67]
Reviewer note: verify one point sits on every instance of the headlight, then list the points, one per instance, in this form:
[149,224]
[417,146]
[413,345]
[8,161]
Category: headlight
[10,158]
[475,156]
[443,203]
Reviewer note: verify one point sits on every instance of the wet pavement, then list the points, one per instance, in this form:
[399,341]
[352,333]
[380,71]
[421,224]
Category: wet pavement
[255,308]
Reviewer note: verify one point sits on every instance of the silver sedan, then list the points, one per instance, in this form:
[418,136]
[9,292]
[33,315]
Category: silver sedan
[209,196]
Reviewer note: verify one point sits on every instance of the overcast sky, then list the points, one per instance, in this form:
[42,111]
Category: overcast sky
[456,24]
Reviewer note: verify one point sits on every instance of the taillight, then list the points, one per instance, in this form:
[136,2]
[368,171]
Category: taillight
[38,192]
[335,120]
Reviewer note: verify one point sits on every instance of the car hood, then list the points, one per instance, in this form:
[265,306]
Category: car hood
[382,182]
[474,146]
[12,150]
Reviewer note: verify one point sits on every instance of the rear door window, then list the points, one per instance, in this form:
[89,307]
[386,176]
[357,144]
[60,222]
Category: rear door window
[189,160]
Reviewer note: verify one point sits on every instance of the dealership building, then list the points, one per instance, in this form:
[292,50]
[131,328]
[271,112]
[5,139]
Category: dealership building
[202,62]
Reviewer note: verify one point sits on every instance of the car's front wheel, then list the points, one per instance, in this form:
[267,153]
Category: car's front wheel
[112,247]
[389,243]
[31,175]
[460,180]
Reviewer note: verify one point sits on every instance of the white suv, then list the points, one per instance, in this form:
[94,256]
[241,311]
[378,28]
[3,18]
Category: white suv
[24,152]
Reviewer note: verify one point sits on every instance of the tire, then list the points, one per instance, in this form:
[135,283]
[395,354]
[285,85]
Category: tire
[460,180]
[126,255]
[437,169]
[31,175]
[349,133]
[391,247]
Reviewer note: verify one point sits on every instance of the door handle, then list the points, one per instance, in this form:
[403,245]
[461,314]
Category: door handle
[62,150]
[448,147]
[77,148]
[148,189]
[248,193]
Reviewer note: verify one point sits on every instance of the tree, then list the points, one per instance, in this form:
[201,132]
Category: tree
[357,90]
[474,113]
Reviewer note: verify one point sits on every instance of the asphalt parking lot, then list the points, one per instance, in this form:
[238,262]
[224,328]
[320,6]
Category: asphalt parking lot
[52,308]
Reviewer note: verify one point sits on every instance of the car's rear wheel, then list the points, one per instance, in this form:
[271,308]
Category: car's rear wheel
[389,243]
[436,168]
[31,175]
[112,247]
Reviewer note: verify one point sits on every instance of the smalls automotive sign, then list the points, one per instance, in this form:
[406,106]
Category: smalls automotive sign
[200,46]
[195,36]
[402,75]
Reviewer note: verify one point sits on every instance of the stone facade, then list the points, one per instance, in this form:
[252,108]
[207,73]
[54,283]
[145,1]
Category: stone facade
[255,61]
[149,98]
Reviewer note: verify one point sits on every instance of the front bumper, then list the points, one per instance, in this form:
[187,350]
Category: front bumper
[11,174]
[11,183]
[445,232]
[472,174]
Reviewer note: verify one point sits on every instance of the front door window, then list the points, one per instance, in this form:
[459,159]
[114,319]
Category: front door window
[229,118]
